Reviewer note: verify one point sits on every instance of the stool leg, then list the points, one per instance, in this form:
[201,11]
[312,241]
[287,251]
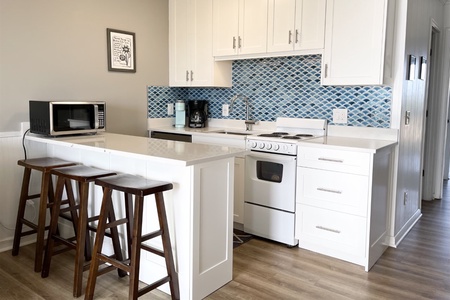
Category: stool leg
[101,228]
[129,216]
[40,231]
[135,254]
[115,238]
[53,227]
[81,239]
[21,210]
[170,265]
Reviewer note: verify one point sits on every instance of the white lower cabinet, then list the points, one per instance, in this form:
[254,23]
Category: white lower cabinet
[342,204]
[239,173]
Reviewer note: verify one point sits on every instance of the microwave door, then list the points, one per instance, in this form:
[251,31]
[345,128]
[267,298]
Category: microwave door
[96,121]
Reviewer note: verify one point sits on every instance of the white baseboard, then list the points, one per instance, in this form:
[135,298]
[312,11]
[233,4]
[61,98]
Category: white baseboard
[394,241]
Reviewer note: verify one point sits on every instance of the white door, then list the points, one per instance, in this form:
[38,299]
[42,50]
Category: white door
[310,24]
[179,42]
[253,26]
[225,27]
[281,25]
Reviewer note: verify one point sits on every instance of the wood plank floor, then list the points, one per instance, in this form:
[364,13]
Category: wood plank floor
[418,269]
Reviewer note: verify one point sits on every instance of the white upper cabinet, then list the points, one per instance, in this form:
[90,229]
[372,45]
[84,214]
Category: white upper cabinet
[191,62]
[240,27]
[354,42]
[296,25]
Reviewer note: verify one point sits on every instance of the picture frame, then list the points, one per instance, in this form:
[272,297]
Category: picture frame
[423,68]
[121,47]
[410,74]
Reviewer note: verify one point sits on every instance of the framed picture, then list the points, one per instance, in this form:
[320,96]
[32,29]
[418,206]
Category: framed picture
[423,68]
[411,67]
[121,50]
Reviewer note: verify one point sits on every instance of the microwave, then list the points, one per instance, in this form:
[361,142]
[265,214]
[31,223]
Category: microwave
[55,118]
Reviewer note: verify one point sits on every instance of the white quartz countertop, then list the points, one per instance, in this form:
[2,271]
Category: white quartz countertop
[347,143]
[172,152]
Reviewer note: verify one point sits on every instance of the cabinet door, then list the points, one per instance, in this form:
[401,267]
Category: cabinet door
[281,25]
[309,24]
[225,27]
[252,26]
[178,42]
[202,60]
[354,42]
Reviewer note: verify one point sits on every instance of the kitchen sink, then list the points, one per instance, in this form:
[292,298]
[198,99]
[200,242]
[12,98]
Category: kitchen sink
[231,132]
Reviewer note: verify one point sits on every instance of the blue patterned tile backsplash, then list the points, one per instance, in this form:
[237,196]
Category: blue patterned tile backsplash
[283,87]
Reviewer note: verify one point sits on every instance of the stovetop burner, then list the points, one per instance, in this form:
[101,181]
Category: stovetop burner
[291,137]
[304,135]
[274,134]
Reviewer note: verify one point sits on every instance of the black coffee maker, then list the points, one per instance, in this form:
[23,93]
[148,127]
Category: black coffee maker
[197,113]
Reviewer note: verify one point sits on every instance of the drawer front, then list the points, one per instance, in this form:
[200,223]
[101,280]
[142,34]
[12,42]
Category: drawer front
[334,160]
[336,191]
[332,233]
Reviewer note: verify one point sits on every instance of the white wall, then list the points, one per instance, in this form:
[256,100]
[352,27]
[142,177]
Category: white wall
[411,95]
[56,49]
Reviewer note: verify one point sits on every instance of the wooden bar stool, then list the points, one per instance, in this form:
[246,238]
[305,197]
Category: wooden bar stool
[44,165]
[139,187]
[83,176]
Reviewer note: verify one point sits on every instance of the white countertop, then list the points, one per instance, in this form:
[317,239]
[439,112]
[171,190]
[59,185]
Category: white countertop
[172,152]
[346,143]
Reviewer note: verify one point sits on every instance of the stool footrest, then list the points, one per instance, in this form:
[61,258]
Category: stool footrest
[151,235]
[152,250]
[116,223]
[29,224]
[114,262]
[153,286]
[70,208]
[34,196]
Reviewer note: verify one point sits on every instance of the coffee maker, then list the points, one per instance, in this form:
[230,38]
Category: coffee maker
[197,113]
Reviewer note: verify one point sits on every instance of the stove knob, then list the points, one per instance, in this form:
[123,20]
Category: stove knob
[269,146]
[261,146]
[276,147]
[253,145]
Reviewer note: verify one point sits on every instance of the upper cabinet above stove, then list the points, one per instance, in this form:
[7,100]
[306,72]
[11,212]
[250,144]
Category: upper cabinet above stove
[357,42]
[191,62]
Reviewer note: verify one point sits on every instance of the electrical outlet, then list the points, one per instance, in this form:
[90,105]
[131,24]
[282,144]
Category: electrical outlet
[170,109]
[340,115]
[225,110]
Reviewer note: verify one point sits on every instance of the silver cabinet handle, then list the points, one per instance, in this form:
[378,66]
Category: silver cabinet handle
[328,229]
[239,42]
[234,42]
[329,190]
[326,70]
[290,37]
[187,75]
[192,75]
[296,36]
[331,159]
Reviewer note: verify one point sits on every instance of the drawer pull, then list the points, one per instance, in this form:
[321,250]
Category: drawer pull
[331,159]
[329,190]
[328,229]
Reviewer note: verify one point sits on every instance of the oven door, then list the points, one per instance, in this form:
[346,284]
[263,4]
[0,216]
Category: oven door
[270,180]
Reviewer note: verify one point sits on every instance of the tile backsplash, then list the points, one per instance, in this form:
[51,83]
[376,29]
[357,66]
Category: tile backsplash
[283,87]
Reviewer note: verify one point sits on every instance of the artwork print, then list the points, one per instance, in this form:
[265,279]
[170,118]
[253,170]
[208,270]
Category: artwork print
[121,51]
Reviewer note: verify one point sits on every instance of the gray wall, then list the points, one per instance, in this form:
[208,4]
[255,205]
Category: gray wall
[56,49]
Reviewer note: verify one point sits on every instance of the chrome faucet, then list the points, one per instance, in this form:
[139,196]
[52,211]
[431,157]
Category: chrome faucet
[248,122]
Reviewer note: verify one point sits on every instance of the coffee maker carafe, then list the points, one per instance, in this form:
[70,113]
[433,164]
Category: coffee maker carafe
[198,113]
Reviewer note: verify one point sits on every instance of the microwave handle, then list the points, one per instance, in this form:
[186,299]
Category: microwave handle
[96,122]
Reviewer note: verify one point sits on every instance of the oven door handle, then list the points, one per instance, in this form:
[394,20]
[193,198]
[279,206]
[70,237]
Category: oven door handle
[272,157]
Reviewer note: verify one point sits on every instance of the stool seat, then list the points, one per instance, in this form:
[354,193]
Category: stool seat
[139,187]
[83,175]
[135,185]
[44,165]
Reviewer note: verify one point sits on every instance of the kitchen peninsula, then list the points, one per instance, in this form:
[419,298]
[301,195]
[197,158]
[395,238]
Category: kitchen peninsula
[200,206]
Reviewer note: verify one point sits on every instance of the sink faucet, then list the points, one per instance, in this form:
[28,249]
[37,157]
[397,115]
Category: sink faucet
[248,122]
